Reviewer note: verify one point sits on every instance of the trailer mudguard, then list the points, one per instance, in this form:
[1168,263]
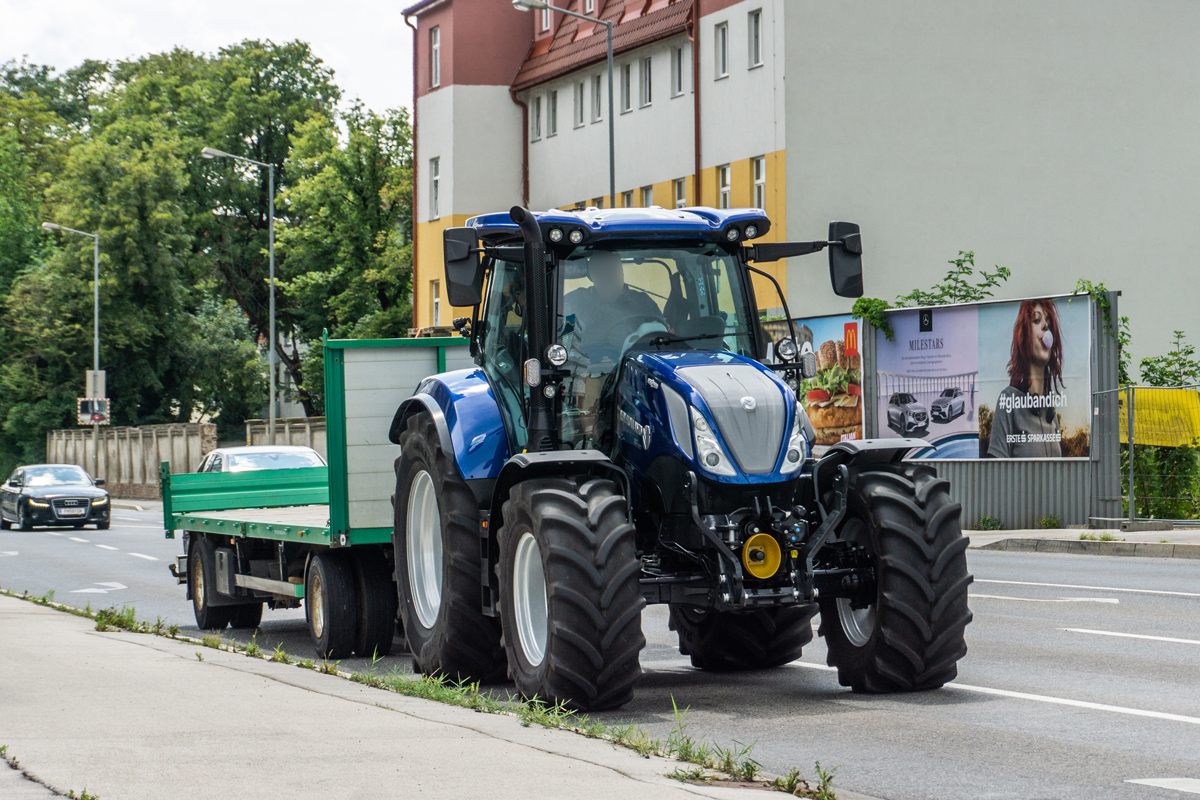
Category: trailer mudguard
[468,421]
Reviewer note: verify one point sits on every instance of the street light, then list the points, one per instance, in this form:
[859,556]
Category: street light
[212,152]
[92,390]
[541,5]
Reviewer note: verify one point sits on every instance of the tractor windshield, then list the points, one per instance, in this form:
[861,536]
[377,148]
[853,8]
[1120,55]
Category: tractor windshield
[617,297]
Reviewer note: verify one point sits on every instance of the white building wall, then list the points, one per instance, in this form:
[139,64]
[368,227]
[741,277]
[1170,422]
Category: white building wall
[653,143]
[1057,139]
[742,115]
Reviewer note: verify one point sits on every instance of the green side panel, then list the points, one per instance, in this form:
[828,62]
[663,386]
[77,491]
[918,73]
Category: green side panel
[370,536]
[439,341]
[441,360]
[220,491]
[335,439]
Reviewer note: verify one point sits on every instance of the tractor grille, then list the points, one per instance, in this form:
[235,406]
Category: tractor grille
[754,436]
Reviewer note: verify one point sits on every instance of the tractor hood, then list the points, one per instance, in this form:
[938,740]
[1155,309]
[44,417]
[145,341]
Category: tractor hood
[751,407]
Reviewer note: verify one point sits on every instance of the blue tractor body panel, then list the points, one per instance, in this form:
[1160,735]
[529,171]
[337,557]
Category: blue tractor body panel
[473,420]
[646,224]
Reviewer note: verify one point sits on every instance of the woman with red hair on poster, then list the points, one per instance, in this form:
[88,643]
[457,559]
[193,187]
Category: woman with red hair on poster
[1025,423]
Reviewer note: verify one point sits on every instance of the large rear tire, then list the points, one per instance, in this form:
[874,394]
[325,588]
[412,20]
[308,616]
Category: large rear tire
[438,574]
[569,592]
[376,610]
[329,604]
[911,637]
[246,616]
[727,642]
[202,577]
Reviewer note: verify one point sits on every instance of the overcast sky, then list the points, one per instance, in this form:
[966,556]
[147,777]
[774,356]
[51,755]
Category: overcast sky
[365,42]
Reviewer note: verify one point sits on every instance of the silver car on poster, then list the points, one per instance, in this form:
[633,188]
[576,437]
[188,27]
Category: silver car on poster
[949,405]
[905,414]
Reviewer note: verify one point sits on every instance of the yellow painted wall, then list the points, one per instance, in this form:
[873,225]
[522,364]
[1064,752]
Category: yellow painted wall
[428,267]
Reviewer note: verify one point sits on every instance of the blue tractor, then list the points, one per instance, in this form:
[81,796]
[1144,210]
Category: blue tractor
[631,435]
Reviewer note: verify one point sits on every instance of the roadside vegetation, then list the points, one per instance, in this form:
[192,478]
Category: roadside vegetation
[711,763]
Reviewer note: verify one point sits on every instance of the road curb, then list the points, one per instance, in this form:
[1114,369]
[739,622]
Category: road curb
[1091,548]
[127,505]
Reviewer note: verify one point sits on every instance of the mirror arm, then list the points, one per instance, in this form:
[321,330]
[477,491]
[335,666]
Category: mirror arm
[773,251]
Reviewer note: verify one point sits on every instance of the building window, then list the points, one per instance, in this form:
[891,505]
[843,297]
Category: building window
[681,193]
[435,178]
[755,48]
[627,199]
[589,6]
[437,303]
[760,182]
[580,103]
[723,186]
[598,202]
[597,105]
[626,87]
[535,118]
[676,71]
[435,57]
[647,94]
[721,51]
[552,114]
[545,20]
[647,196]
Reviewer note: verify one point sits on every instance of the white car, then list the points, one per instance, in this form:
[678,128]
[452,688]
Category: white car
[249,459]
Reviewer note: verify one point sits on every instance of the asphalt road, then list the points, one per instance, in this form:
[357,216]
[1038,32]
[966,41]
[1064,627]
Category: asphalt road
[1057,698]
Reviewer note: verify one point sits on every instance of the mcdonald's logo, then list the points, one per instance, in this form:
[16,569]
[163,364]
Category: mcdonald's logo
[851,338]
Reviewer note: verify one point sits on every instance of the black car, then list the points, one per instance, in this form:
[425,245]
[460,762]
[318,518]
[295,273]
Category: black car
[53,494]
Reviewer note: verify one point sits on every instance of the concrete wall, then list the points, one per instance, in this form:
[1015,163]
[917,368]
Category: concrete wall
[303,431]
[129,458]
[1057,139]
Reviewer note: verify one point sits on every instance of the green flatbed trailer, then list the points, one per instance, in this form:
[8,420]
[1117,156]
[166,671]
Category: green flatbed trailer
[317,535]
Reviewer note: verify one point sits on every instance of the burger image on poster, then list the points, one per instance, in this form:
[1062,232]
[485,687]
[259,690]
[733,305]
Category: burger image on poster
[1025,420]
[832,398]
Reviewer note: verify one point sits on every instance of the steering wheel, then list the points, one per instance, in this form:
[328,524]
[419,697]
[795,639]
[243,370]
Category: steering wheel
[644,331]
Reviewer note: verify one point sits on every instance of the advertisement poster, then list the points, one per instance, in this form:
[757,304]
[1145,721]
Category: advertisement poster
[993,380]
[833,397]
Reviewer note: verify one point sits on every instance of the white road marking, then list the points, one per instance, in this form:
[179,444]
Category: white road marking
[1041,698]
[106,547]
[148,558]
[1046,599]
[159,527]
[1132,636]
[110,586]
[77,539]
[1091,588]
[8,553]
[1189,785]
[52,533]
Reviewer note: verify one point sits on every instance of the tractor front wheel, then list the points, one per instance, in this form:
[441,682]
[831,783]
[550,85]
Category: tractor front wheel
[570,599]
[727,642]
[910,637]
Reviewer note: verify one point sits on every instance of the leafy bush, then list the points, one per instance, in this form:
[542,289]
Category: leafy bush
[988,524]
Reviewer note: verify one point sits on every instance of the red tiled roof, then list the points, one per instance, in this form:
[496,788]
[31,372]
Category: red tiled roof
[574,47]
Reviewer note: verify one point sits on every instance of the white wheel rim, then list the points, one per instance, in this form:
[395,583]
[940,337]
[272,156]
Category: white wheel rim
[316,600]
[423,541]
[198,582]
[529,599]
[857,623]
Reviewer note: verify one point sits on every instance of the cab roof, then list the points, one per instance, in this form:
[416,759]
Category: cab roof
[712,224]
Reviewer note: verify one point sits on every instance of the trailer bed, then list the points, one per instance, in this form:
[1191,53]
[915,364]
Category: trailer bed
[308,523]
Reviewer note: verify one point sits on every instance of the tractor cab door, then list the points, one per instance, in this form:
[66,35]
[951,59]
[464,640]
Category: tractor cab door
[503,343]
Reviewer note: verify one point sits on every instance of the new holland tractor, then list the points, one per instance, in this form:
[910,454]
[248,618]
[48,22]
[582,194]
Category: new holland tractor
[632,435]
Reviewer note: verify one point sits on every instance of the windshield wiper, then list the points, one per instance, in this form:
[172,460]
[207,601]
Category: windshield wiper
[661,340]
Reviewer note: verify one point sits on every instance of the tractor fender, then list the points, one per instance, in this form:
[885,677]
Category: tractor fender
[859,452]
[556,463]
[467,418]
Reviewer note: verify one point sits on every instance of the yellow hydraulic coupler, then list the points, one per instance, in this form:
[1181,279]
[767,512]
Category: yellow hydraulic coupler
[761,555]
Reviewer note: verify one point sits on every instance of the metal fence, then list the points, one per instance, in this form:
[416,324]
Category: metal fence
[1160,451]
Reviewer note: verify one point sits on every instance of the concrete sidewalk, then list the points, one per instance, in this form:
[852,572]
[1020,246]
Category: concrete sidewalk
[128,716]
[1178,543]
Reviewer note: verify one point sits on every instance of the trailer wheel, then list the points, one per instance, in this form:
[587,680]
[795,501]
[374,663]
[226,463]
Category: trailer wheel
[329,604]
[911,637]
[727,642]
[246,616]
[202,580]
[376,603]
[569,593]
[438,575]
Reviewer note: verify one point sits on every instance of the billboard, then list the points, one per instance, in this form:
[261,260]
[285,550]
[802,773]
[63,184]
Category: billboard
[832,398]
[991,380]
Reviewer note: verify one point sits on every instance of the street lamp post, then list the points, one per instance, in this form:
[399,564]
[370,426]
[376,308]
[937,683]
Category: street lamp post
[92,390]
[531,5]
[210,152]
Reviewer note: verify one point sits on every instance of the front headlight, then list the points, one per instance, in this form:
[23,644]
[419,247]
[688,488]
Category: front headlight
[36,504]
[797,447]
[99,501]
[709,452]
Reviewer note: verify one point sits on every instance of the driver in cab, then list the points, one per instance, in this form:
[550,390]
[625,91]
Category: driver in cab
[609,311]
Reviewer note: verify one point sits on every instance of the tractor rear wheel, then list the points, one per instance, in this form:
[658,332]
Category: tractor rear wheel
[570,597]
[727,642]
[910,637]
[438,575]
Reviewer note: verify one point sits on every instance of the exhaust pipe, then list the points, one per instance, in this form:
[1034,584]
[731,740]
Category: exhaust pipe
[543,435]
